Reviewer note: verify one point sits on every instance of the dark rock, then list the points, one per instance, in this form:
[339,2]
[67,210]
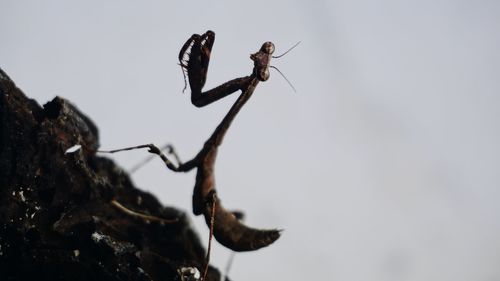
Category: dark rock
[56,220]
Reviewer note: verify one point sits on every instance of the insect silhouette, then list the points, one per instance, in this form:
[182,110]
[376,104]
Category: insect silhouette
[194,58]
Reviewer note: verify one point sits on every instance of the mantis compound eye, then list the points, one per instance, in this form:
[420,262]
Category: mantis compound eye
[267,48]
[264,74]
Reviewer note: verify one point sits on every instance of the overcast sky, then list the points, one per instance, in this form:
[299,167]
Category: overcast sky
[385,165]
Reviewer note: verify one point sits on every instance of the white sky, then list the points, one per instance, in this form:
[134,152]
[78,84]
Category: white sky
[384,166]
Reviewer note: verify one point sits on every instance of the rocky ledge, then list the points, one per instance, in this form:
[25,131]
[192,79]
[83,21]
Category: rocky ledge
[56,219]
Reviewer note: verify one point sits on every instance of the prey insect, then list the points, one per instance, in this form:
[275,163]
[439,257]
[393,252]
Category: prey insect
[194,58]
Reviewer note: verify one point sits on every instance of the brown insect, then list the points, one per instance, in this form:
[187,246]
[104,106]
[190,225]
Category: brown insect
[194,59]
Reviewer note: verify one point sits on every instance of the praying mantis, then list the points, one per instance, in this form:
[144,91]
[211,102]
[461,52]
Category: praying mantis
[194,58]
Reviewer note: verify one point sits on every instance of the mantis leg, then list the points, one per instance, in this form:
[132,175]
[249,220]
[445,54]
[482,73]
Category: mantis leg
[170,150]
[194,58]
[181,167]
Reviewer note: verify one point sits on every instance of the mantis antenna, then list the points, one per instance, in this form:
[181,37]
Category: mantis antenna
[282,75]
[296,44]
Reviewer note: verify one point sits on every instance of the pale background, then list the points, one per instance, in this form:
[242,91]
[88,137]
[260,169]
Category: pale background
[385,165]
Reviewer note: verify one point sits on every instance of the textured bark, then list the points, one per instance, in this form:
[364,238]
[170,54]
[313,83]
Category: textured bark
[56,220]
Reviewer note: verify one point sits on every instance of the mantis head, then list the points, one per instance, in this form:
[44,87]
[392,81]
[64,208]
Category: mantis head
[261,60]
